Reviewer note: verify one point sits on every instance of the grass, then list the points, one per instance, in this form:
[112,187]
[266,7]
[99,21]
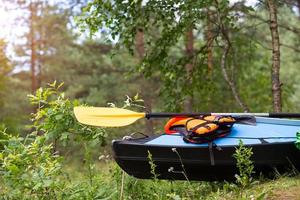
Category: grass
[284,188]
[108,177]
[108,181]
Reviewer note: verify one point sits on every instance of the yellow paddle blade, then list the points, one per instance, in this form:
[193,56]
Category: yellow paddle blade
[106,117]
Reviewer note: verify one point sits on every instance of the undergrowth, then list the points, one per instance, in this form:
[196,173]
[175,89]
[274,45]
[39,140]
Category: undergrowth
[177,190]
[244,164]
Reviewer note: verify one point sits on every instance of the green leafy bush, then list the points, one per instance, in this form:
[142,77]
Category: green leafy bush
[244,164]
[55,118]
[29,169]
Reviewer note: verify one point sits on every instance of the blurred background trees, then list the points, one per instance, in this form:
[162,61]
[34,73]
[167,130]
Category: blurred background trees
[206,53]
[204,56]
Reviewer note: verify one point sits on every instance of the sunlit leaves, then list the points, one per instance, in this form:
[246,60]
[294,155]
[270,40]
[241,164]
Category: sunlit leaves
[55,118]
[29,168]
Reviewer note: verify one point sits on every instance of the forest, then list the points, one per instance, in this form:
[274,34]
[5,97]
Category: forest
[146,56]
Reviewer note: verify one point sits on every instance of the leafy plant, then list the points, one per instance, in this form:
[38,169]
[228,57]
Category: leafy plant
[244,164]
[29,169]
[297,143]
[30,166]
[55,118]
[152,166]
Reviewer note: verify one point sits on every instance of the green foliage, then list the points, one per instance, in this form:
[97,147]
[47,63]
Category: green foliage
[3,136]
[29,169]
[166,190]
[297,143]
[5,64]
[244,164]
[152,165]
[5,69]
[164,25]
[55,117]
[84,190]
[16,108]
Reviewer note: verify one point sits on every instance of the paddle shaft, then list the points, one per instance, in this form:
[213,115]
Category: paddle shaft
[272,115]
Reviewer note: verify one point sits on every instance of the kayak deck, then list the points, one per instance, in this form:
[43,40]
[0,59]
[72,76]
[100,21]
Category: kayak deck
[269,131]
[272,143]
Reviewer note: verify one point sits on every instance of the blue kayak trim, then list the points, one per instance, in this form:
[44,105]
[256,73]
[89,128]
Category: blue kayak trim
[270,129]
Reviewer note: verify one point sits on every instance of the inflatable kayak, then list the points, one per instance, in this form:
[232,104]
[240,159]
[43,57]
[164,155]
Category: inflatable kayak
[272,142]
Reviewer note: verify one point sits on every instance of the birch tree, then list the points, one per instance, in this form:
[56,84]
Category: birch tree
[275,71]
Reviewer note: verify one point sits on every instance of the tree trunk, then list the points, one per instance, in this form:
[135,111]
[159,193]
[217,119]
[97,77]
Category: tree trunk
[32,48]
[140,46]
[145,88]
[40,58]
[209,38]
[275,72]
[189,48]
[41,48]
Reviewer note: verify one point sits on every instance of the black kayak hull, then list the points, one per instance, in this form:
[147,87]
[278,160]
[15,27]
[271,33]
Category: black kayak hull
[201,162]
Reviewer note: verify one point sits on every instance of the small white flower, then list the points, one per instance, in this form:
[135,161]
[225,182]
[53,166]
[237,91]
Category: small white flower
[171,169]
[101,157]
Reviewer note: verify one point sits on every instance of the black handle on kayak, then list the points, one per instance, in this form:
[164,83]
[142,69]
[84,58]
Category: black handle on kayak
[283,115]
[164,115]
[274,115]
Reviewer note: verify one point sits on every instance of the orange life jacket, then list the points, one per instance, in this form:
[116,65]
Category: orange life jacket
[202,129]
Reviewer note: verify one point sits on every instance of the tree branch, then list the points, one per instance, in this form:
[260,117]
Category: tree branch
[226,50]
[230,82]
